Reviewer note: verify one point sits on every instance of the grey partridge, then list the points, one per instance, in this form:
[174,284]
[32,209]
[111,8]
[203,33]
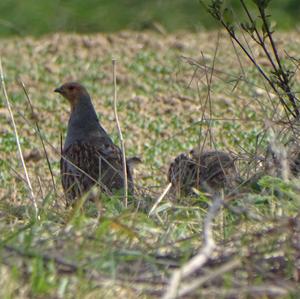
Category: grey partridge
[209,171]
[89,156]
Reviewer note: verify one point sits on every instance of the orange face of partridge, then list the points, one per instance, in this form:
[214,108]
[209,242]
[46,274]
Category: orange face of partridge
[72,91]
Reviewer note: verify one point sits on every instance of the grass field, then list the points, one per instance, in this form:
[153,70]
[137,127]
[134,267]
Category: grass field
[166,106]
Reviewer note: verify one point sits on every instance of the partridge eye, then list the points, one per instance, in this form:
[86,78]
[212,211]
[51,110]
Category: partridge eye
[71,88]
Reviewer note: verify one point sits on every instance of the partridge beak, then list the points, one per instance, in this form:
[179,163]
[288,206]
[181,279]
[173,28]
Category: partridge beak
[59,90]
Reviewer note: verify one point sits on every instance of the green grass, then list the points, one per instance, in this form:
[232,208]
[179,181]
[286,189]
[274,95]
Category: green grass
[36,18]
[124,252]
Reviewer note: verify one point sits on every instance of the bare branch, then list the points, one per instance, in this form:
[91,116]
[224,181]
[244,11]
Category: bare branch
[201,258]
[196,283]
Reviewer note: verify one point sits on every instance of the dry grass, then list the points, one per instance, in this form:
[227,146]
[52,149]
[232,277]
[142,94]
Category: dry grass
[164,109]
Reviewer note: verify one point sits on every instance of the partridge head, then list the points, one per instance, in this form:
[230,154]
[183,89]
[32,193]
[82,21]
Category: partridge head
[73,92]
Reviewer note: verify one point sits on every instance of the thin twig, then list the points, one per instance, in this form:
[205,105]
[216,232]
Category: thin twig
[278,69]
[261,42]
[232,34]
[201,258]
[161,197]
[197,282]
[120,134]
[18,141]
[39,134]
[285,84]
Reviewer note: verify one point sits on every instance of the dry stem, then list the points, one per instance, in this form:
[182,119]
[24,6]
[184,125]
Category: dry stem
[166,190]
[120,134]
[18,140]
[40,135]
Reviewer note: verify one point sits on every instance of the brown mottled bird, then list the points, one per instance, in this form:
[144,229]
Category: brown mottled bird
[89,156]
[210,170]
